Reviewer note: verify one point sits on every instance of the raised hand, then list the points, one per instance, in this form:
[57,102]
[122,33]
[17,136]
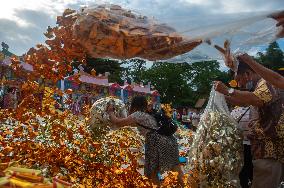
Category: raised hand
[221,87]
[279,17]
[228,57]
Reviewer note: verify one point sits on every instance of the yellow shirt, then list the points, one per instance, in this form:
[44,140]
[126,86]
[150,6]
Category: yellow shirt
[267,137]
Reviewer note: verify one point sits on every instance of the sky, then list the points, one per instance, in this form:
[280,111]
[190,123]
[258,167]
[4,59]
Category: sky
[23,22]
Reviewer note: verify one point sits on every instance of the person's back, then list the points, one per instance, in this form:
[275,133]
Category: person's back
[161,152]
[145,120]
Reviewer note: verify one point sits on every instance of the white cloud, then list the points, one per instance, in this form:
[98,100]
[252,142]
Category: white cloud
[9,9]
[198,2]
[254,50]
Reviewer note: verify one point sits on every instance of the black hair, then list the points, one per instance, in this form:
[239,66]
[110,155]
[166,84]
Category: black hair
[138,103]
[9,90]
[281,72]
[243,67]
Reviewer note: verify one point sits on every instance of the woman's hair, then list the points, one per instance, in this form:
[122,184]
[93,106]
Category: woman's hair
[138,103]
[10,90]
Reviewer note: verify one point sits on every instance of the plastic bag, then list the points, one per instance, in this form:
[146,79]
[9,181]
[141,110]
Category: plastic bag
[99,109]
[110,31]
[113,32]
[216,151]
[99,119]
[248,33]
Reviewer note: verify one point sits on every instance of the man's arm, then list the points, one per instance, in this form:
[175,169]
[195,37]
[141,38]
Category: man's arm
[246,98]
[241,98]
[234,101]
[270,76]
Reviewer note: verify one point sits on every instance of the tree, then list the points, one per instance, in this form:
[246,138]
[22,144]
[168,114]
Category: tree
[273,58]
[104,65]
[171,82]
[201,76]
[180,84]
[183,84]
[135,68]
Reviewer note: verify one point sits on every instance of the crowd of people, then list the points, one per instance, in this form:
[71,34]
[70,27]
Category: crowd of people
[188,117]
[260,115]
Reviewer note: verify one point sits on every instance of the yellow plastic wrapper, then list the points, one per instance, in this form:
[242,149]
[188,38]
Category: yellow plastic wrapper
[28,178]
[17,170]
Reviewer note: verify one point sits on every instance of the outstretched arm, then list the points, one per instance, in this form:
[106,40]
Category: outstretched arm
[240,98]
[121,121]
[270,76]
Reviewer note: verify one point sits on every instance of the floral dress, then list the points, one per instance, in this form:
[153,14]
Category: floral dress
[161,152]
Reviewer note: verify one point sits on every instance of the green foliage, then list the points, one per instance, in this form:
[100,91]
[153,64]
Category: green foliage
[273,58]
[171,81]
[183,84]
[135,70]
[106,65]
[202,74]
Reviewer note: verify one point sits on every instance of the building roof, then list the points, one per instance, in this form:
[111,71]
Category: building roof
[141,89]
[115,85]
[127,87]
[5,58]
[87,78]
[7,62]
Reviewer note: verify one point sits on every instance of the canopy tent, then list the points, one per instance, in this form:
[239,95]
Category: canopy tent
[83,77]
[155,93]
[141,89]
[7,62]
